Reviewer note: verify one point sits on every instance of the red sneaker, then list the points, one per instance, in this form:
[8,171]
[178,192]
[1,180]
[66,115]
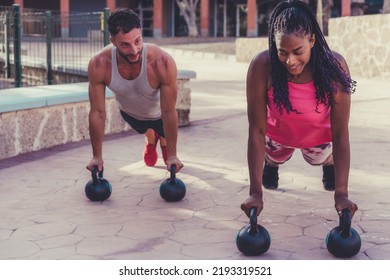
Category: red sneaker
[164,153]
[150,155]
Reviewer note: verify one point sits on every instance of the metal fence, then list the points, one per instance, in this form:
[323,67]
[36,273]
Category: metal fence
[40,47]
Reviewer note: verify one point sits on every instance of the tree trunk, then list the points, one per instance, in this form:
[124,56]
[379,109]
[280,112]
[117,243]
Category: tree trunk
[386,7]
[326,15]
[188,11]
[322,9]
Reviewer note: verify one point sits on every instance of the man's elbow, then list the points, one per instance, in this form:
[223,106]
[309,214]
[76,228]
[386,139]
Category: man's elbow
[97,114]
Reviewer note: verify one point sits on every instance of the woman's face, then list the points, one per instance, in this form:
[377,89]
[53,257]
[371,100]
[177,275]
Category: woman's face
[294,51]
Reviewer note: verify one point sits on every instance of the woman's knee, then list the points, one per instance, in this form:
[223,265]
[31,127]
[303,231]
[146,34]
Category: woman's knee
[277,153]
[318,155]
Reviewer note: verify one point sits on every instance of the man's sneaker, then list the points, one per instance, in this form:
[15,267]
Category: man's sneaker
[150,155]
[328,178]
[164,153]
[270,177]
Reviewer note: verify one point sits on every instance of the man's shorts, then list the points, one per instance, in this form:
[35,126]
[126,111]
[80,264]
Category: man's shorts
[142,126]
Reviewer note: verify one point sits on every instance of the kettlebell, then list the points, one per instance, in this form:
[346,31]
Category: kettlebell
[172,189]
[343,241]
[98,189]
[253,239]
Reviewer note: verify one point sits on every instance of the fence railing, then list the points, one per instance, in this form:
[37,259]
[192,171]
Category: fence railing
[40,47]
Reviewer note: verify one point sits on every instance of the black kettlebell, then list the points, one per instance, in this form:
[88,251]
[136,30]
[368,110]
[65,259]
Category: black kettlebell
[343,241]
[172,189]
[253,239]
[98,189]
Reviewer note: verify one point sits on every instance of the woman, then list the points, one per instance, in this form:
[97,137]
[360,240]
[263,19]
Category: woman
[298,97]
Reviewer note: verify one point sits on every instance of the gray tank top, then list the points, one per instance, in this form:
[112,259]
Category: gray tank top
[135,97]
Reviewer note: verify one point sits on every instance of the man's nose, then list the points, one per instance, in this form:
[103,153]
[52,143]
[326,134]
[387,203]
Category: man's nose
[133,49]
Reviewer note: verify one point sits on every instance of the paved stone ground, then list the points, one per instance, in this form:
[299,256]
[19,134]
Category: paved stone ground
[45,214]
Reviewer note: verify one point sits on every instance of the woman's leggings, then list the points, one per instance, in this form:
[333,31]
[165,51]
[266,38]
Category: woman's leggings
[277,153]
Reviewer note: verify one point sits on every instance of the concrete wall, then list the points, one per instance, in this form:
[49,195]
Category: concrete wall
[36,118]
[364,41]
[39,128]
[247,48]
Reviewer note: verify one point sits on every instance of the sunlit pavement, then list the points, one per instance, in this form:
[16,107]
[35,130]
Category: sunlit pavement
[46,215]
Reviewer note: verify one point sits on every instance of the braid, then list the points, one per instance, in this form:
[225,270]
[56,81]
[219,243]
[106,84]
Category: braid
[295,16]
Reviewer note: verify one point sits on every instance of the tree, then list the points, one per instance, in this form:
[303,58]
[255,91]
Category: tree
[386,7]
[322,9]
[188,11]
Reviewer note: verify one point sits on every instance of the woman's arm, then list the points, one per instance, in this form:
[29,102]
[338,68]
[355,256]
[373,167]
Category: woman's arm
[341,146]
[256,93]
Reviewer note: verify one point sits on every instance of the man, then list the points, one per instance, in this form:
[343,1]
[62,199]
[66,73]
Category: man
[143,78]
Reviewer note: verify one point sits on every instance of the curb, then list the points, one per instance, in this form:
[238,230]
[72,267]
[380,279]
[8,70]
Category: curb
[207,55]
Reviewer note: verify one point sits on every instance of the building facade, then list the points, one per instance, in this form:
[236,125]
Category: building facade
[161,18]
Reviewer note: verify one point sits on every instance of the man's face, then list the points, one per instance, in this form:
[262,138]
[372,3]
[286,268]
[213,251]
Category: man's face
[129,45]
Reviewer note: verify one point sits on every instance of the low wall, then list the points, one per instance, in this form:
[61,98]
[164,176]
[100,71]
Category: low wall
[364,41]
[36,118]
[247,48]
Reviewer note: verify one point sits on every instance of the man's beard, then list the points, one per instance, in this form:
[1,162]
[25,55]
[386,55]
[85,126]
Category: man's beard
[125,57]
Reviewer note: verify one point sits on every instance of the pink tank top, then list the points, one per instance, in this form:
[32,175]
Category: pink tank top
[309,128]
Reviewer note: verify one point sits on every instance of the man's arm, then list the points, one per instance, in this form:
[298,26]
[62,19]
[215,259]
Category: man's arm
[167,74]
[97,113]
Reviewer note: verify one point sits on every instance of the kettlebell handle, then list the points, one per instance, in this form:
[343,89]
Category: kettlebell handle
[173,174]
[253,221]
[345,222]
[96,175]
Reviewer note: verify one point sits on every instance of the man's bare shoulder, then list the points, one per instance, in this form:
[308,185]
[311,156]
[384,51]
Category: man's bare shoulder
[159,57]
[161,63]
[101,58]
[99,66]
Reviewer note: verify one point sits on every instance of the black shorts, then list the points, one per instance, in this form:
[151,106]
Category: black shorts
[142,126]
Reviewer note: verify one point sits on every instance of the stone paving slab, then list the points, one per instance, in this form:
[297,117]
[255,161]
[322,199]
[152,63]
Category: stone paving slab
[46,215]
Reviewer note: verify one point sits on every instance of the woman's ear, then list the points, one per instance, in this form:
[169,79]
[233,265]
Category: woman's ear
[312,40]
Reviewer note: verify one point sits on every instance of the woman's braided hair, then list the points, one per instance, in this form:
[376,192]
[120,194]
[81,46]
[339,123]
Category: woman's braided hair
[295,16]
